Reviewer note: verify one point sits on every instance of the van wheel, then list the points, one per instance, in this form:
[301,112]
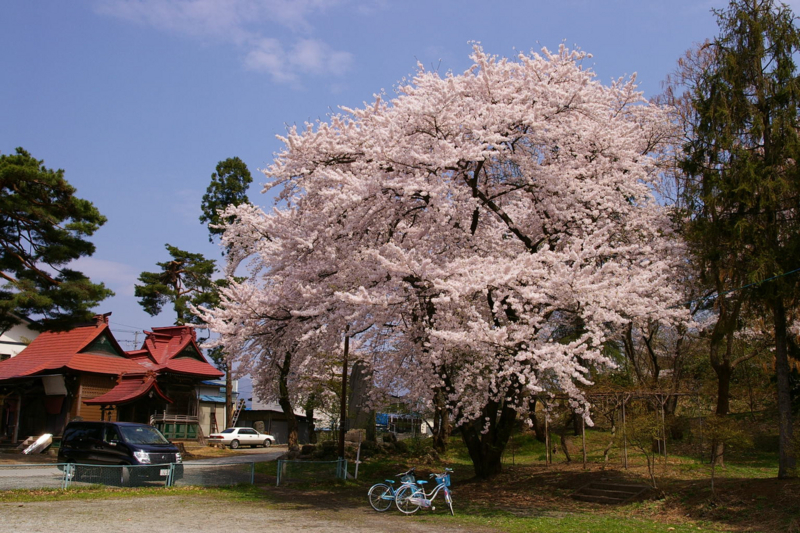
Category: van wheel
[234,444]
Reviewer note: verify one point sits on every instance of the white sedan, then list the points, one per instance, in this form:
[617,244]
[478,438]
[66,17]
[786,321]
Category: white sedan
[235,437]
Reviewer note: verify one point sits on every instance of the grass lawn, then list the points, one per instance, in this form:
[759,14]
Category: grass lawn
[530,495]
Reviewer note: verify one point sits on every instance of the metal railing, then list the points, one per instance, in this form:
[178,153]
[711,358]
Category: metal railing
[180,419]
[175,426]
[67,475]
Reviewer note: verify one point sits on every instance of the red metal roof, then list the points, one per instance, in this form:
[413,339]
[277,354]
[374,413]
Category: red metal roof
[175,349]
[186,365]
[93,349]
[170,349]
[68,350]
[129,388]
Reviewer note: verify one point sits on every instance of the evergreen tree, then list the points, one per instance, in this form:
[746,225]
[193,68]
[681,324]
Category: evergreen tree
[228,187]
[743,183]
[43,228]
[186,279]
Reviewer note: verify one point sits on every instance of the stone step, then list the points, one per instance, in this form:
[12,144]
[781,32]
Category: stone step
[597,499]
[630,488]
[621,494]
[609,493]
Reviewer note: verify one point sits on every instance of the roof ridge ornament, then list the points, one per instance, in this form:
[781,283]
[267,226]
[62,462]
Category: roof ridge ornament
[99,320]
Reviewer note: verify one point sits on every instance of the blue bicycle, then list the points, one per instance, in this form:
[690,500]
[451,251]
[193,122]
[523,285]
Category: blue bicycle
[382,495]
[410,498]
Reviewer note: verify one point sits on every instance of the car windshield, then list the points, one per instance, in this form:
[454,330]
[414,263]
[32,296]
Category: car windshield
[229,430]
[142,435]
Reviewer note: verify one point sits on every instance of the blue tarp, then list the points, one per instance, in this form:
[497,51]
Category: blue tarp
[382,419]
[212,399]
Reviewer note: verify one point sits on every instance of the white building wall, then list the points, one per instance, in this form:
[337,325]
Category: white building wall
[15,340]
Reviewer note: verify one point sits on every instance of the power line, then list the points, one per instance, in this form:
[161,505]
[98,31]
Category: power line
[136,328]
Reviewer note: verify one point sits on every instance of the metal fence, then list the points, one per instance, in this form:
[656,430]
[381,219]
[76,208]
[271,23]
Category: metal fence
[289,471]
[64,476]
[207,475]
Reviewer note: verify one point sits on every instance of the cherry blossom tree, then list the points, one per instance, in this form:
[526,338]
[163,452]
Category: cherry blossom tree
[279,324]
[487,234]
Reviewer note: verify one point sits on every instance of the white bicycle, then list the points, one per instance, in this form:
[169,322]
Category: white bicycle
[411,497]
[381,495]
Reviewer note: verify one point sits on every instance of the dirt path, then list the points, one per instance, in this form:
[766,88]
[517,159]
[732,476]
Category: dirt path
[177,514]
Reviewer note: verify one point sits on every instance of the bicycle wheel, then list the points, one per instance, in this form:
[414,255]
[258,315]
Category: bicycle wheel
[449,499]
[404,498]
[380,497]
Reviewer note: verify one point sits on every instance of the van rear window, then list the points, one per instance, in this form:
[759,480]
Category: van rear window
[80,433]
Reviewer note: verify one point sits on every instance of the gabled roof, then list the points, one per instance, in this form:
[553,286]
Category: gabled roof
[130,388]
[174,349]
[86,348]
[92,348]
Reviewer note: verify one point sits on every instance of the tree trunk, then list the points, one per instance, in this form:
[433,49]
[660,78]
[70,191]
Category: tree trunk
[564,439]
[286,403]
[312,430]
[786,458]
[651,468]
[630,352]
[486,449]
[372,432]
[611,442]
[577,425]
[228,395]
[343,406]
[720,354]
[291,423]
[536,423]
[441,422]
[611,416]
[724,372]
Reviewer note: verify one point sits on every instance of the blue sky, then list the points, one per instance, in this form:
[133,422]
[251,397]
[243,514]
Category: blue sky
[137,100]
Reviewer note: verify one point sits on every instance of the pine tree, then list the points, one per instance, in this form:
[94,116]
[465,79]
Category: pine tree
[186,279]
[43,228]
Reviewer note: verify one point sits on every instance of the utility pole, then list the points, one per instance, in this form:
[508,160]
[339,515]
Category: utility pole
[343,413]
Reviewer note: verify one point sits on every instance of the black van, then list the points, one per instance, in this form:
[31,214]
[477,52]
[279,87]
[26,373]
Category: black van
[121,443]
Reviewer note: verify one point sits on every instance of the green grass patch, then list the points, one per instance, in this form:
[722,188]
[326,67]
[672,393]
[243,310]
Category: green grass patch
[553,522]
[101,492]
[530,495]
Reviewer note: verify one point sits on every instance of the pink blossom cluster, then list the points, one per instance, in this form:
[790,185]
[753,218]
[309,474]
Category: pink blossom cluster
[484,234]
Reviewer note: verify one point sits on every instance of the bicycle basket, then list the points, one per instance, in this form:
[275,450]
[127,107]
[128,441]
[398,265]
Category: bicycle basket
[408,478]
[444,479]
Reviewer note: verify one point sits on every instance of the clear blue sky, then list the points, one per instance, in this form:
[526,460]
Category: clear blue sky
[137,100]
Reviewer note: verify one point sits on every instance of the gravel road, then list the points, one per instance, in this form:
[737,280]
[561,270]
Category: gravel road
[199,514]
[178,514]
